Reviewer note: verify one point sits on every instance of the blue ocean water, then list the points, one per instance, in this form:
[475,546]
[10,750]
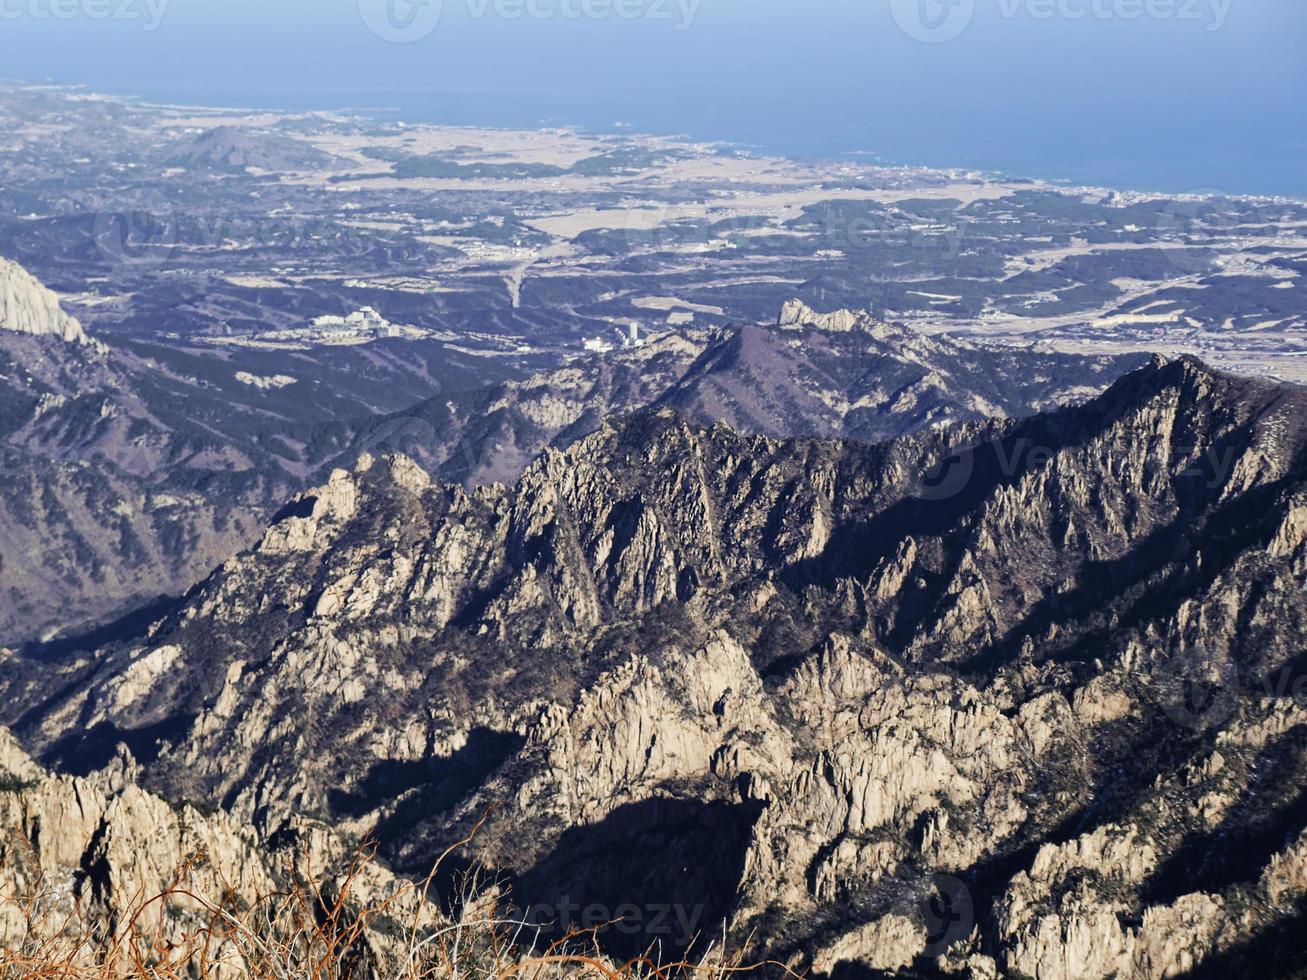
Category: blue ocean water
[1174,95]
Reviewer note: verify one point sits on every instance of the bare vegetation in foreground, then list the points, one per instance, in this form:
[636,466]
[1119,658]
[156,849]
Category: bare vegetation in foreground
[318,928]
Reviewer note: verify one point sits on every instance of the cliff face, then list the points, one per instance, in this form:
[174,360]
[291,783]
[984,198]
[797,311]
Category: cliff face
[27,307]
[1010,698]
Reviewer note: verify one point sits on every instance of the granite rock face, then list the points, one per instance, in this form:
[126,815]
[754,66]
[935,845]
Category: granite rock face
[1008,698]
[96,856]
[27,307]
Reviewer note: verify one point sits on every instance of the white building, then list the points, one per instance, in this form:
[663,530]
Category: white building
[628,339]
[632,339]
[366,320]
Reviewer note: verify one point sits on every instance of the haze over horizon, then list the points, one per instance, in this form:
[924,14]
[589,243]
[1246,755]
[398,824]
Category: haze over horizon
[1167,95]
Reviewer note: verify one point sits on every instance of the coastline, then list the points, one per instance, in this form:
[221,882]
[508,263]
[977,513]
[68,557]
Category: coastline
[862,156]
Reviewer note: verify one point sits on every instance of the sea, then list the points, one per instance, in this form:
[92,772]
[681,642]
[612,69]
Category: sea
[1204,96]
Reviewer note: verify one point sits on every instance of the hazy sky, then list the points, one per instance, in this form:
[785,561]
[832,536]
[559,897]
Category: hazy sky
[1173,94]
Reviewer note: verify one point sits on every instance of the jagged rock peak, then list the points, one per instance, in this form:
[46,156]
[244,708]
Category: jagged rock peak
[796,314]
[28,307]
[1201,386]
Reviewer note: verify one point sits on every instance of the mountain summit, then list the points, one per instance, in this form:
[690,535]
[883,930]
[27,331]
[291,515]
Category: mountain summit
[234,149]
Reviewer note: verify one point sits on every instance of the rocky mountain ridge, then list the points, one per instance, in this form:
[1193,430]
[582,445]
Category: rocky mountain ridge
[843,374]
[134,476]
[102,856]
[816,690]
[125,479]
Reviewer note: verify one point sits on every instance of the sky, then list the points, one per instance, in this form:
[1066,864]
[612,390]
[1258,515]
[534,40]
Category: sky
[1175,95]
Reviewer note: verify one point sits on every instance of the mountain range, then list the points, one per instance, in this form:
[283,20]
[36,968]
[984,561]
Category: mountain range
[136,470]
[1008,697]
[846,374]
[234,149]
[460,552]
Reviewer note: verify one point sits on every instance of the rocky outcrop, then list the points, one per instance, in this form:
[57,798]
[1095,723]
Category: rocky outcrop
[94,867]
[27,307]
[796,314]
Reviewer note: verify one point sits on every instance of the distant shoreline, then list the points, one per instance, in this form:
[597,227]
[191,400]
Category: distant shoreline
[862,155]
